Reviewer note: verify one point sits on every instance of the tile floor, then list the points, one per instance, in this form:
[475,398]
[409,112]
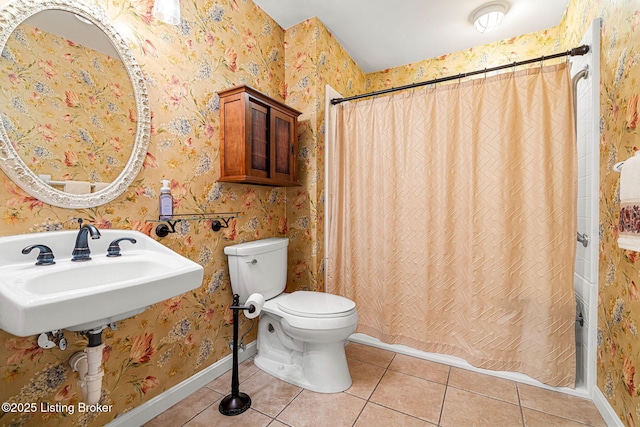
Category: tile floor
[389,389]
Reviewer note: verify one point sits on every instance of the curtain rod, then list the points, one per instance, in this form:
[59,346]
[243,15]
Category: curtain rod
[577,51]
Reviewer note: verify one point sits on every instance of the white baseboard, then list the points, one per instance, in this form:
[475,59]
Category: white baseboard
[610,417]
[154,407]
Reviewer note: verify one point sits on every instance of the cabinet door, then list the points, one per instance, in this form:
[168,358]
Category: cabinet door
[259,153]
[232,129]
[284,143]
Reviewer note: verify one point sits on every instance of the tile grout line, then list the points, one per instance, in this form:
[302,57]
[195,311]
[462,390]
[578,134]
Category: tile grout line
[520,405]
[285,407]
[240,382]
[535,409]
[386,370]
[374,389]
[368,399]
[444,397]
[560,416]
[359,413]
[206,407]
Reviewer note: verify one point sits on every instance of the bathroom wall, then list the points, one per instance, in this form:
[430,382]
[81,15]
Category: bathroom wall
[313,59]
[219,44]
[618,352]
[518,48]
[588,153]
[227,42]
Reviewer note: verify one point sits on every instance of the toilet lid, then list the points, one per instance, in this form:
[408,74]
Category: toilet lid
[316,304]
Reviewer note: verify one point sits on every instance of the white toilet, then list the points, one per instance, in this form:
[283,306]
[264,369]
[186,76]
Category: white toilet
[301,336]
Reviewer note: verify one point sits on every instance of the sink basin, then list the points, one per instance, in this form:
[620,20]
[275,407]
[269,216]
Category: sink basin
[80,296]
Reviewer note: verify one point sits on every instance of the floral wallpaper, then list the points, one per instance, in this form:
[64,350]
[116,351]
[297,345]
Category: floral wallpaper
[618,350]
[518,48]
[219,44]
[313,59]
[67,108]
[222,43]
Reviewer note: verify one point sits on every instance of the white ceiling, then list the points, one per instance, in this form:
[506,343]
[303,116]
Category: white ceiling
[381,34]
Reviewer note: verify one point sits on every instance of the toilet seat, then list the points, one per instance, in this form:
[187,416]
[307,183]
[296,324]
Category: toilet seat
[316,304]
[319,321]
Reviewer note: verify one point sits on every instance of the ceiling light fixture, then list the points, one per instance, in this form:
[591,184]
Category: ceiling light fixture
[488,17]
[167,11]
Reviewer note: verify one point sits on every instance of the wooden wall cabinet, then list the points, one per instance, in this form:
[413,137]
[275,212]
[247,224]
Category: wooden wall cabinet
[258,139]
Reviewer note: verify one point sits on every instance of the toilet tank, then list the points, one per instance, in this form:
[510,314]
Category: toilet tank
[259,266]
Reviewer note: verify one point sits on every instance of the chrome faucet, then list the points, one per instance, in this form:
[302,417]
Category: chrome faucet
[81,250]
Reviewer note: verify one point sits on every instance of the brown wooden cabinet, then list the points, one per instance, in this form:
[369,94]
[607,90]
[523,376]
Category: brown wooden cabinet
[258,138]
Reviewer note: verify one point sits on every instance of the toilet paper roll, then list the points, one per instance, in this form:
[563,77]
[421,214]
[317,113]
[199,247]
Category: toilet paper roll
[257,301]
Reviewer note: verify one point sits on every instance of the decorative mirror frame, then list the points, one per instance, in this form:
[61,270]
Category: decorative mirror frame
[12,15]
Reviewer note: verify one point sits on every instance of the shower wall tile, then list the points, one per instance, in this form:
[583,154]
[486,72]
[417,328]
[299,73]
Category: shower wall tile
[588,160]
[582,340]
[586,268]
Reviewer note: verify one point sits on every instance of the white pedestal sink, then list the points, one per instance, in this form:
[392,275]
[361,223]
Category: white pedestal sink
[80,296]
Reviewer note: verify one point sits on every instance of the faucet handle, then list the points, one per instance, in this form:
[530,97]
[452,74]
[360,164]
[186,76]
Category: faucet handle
[114,247]
[45,257]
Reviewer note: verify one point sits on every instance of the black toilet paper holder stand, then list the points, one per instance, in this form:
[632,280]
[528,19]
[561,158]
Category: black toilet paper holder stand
[237,402]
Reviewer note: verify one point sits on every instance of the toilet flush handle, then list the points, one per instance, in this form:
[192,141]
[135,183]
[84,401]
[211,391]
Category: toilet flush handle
[253,261]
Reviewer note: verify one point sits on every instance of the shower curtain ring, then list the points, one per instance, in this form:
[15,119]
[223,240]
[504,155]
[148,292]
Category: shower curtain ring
[541,61]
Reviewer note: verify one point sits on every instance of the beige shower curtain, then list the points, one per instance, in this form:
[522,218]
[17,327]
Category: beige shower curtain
[453,220]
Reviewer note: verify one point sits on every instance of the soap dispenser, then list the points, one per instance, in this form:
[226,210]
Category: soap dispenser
[166,201]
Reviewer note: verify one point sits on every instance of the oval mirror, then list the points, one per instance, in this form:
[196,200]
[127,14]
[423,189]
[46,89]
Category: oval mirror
[75,116]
